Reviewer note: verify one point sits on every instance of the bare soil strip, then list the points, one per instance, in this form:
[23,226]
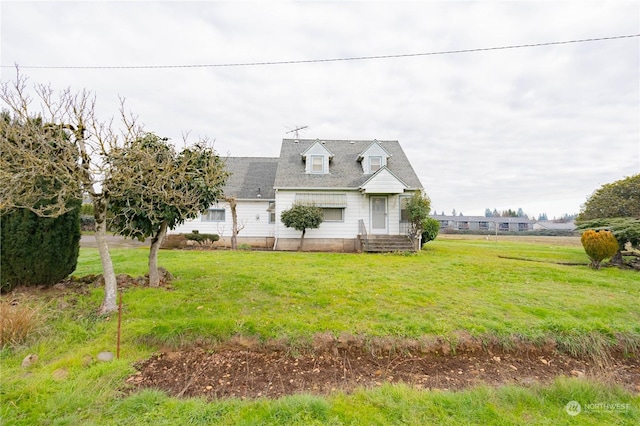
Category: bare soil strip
[253,373]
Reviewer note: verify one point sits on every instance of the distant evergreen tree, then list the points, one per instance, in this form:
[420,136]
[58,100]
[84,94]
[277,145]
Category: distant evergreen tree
[38,250]
[487,212]
[542,216]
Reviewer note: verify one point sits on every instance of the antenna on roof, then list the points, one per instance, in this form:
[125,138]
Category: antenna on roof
[296,130]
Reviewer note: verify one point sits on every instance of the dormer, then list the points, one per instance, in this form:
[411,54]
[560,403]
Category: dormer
[317,158]
[373,158]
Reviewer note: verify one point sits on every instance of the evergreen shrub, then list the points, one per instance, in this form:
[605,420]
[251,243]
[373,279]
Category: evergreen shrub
[38,250]
[430,229]
[599,245]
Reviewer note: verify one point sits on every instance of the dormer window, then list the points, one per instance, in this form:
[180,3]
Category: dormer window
[317,159]
[374,164]
[373,158]
[317,164]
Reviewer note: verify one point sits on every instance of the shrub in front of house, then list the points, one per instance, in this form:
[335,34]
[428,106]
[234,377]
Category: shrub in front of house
[174,241]
[430,230]
[202,238]
[179,241]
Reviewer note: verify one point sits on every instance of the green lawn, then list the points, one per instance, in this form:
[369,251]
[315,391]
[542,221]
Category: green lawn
[504,290]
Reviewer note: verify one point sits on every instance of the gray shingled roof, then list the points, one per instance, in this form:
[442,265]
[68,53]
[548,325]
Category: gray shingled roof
[345,172]
[251,176]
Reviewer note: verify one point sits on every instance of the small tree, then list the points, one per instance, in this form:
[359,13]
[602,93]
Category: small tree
[302,217]
[155,189]
[599,245]
[418,208]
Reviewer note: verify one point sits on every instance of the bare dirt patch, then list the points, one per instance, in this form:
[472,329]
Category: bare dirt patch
[269,372]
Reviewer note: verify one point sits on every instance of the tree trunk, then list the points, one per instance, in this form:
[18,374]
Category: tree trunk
[302,240]
[234,229]
[154,275]
[110,285]
[617,259]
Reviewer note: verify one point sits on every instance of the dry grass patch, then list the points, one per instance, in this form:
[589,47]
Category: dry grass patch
[18,321]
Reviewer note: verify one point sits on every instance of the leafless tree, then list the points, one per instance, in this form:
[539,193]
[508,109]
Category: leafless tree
[64,125]
[236,227]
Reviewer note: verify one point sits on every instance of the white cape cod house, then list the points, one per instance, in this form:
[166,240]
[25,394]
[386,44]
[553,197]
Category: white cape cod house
[362,187]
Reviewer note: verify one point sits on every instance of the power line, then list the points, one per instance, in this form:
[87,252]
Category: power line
[313,61]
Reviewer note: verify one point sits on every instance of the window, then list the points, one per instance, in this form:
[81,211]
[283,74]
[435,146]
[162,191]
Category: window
[317,164]
[214,215]
[523,227]
[404,212]
[374,164]
[272,211]
[483,226]
[504,226]
[332,215]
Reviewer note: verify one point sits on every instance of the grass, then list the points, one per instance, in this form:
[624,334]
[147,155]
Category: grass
[486,288]
[452,286]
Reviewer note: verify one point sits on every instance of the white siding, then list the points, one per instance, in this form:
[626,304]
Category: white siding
[384,183]
[357,208]
[253,215]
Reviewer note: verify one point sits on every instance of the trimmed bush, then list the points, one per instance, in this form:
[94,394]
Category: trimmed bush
[38,250]
[430,230]
[599,245]
[179,241]
[196,236]
[174,241]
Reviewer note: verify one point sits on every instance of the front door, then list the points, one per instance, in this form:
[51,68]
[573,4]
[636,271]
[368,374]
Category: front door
[378,215]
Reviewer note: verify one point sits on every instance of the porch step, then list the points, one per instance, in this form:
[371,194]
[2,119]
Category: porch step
[387,243]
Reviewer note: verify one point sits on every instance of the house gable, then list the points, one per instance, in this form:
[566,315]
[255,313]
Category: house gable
[317,158]
[373,158]
[345,169]
[383,181]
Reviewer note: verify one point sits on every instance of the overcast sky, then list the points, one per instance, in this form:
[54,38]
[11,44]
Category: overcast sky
[536,128]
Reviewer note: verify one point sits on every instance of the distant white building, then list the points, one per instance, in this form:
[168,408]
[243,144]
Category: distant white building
[484,224]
